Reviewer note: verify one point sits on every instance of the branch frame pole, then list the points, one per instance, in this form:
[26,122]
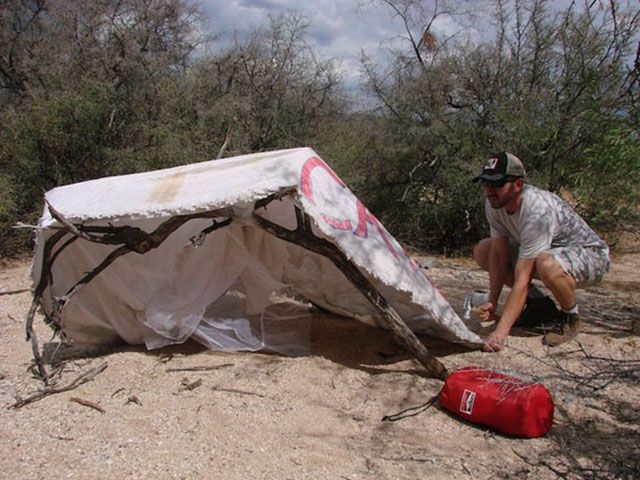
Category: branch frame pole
[303,237]
[130,239]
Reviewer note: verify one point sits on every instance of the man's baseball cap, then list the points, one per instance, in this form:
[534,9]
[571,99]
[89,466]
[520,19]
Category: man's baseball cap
[502,165]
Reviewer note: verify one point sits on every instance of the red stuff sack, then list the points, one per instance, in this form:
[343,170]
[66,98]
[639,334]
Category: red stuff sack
[504,403]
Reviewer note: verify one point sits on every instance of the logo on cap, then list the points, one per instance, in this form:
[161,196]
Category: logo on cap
[491,164]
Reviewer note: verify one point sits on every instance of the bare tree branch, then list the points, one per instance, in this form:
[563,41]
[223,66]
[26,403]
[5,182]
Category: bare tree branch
[45,392]
[392,320]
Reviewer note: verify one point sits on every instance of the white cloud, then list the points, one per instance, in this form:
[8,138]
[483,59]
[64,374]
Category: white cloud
[338,29]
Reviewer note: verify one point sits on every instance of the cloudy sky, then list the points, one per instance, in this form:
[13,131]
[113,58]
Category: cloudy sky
[339,28]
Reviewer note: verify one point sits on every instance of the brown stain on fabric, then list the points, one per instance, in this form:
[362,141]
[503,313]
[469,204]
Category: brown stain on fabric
[168,188]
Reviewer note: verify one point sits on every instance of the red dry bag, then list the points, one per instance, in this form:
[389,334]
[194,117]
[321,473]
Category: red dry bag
[501,402]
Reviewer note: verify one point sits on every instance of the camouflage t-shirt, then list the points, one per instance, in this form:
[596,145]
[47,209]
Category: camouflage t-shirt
[543,221]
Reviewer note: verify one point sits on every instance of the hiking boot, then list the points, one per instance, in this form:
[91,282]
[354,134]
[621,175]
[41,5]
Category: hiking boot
[568,327]
[537,312]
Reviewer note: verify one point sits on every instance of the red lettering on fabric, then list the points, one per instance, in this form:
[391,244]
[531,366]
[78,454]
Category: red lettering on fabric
[305,177]
[307,190]
[335,223]
[364,215]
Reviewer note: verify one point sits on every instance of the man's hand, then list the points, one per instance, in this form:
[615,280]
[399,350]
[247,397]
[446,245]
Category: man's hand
[495,342]
[486,312]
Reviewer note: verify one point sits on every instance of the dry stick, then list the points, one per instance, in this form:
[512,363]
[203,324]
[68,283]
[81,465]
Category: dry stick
[234,390]
[199,368]
[108,235]
[303,237]
[198,240]
[13,292]
[190,386]
[45,278]
[140,242]
[40,394]
[278,195]
[118,252]
[87,403]
[227,139]
[133,239]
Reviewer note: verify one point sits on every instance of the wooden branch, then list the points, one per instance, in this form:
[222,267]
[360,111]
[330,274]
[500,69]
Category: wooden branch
[134,239]
[280,194]
[198,240]
[45,392]
[13,292]
[304,222]
[202,368]
[45,277]
[187,386]
[62,301]
[227,139]
[391,318]
[87,403]
[235,390]
[130,239]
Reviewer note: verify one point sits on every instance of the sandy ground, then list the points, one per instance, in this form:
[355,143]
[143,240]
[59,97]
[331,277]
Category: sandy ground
[188,413]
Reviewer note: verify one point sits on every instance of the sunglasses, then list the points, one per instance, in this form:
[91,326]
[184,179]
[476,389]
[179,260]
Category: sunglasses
[498,183]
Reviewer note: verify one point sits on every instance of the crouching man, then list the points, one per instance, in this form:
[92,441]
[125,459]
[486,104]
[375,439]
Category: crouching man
[534,234]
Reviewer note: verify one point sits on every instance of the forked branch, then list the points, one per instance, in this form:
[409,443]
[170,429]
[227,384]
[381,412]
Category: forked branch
[303,237]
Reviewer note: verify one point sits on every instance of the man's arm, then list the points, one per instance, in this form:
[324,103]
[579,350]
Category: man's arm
[515,303]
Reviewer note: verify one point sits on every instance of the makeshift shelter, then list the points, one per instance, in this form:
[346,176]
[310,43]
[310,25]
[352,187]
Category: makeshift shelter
[214,250]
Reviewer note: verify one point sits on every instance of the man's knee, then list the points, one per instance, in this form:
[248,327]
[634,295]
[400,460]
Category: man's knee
[549,270]
[481,253]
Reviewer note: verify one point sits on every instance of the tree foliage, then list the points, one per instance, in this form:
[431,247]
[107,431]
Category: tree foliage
[559,88]
[107,87]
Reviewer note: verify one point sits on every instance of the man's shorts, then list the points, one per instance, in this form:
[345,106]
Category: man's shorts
[587,265]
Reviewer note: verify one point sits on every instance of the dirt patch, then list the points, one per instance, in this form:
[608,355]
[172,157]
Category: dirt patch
[185,412]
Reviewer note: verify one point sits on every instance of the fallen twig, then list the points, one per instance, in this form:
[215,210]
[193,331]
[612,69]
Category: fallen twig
[190,386]
[241,392]
[117,392]
[13,292]
[202,368]
[40,394]
[87,403]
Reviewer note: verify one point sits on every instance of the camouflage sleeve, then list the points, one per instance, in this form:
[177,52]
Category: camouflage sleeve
[536,231]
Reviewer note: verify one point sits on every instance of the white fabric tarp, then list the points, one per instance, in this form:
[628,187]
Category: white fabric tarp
[226,289]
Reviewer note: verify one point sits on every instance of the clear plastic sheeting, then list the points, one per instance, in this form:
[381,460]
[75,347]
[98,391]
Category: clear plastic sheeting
[282,327]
